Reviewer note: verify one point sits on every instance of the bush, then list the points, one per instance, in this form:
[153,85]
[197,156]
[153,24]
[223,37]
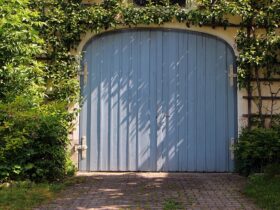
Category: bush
[272,170]
[33,141]
[256,149]
[34,125]
[264,191]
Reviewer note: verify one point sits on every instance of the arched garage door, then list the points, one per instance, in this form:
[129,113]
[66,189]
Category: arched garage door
[157,100]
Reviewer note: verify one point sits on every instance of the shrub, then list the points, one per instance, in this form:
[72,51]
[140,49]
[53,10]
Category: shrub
[33,141]
[264,191]
[272,170]
[20,43]
[256,149]
[33,124]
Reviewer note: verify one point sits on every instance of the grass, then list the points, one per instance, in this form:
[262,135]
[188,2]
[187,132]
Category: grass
[264,191]
[171,204]
[26,195]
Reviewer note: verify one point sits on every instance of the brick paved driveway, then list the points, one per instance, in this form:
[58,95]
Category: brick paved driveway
[154,191]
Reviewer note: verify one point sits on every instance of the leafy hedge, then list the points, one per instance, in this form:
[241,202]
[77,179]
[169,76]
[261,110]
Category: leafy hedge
[33,127]
[257,149]
[38,74]
[33,141]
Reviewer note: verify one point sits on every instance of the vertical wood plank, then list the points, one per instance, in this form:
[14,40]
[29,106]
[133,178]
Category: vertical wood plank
[153,100]
[201,105]
[165,100]
[210,104]
[171,42]
[181,102]
[104,117]
[231,110]
[94,81]
[83,125]
[114,104]
[191,102]
[159,102]
[133,110]
[143,101]
[124,129]
[221,115]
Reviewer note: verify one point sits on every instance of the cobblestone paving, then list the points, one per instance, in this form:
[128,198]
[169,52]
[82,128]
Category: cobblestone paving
[154,191]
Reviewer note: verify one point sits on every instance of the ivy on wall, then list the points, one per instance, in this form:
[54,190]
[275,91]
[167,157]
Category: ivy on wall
[62,23]
[257,40]
[33,129]
[38,74]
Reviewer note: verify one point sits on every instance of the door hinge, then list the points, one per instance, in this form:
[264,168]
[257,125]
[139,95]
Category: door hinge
[82,148]
[84,73]
[231,148]
[231,75]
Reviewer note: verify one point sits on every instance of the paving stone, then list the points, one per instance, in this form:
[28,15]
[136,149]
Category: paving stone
[152,190]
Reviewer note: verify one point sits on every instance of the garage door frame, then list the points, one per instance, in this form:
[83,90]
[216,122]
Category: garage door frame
[174,30]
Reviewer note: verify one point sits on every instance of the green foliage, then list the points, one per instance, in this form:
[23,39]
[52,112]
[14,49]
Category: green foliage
[256,149]
[272,170]
[34,97]
[258,43]
[25,195]
[71,18]
[38,74]
[265,192]
[171,204]
[260,52]
[33,141]
[20,73]
[63,25]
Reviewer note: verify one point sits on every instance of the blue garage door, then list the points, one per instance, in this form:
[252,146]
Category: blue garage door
[158,100]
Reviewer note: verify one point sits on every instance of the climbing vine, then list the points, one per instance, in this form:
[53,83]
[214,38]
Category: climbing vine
[257,39]
[38,72]
[64,22]
[258,43]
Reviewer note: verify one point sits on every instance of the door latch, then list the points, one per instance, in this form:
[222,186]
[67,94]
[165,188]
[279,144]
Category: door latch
[82,148]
